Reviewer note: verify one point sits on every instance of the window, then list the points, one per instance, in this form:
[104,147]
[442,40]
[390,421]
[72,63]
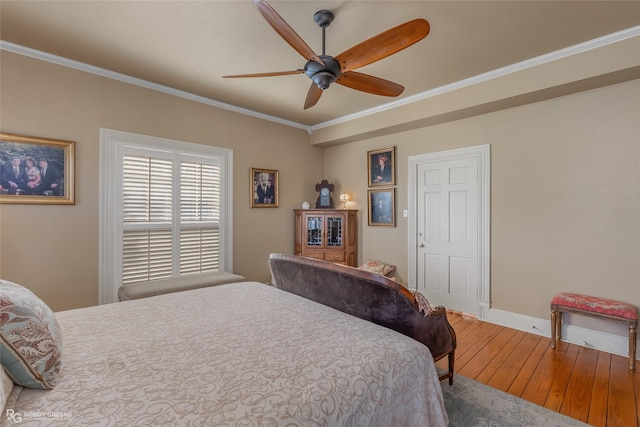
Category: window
[166,210]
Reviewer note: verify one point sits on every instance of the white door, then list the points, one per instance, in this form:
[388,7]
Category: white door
[447,215]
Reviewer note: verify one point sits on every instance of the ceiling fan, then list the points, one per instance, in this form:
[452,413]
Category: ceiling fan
[324,69]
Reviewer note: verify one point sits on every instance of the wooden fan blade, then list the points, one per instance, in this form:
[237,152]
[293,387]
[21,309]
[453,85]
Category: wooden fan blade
[383,45]
[272,74]
[370,84]
[313,96]
[285,31]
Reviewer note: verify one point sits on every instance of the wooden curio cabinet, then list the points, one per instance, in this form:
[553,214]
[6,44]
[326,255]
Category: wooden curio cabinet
[327,234]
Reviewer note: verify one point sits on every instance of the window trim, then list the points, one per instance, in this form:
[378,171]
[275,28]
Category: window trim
[111,144]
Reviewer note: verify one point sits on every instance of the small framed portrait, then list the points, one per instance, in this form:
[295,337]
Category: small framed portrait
[382,207]
[264,188]
[382,166]
[36,170]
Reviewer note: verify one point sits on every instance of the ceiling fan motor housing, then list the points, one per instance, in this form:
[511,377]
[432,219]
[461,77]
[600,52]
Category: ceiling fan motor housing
[321,75]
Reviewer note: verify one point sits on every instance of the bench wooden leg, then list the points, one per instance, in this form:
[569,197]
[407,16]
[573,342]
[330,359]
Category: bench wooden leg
[559,325]
[633,336]
[554,315]
[556,327]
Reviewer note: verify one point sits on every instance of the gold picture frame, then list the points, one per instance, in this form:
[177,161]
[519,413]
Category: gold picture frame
[382,207]
[264,188]
[45,170]
[381,165]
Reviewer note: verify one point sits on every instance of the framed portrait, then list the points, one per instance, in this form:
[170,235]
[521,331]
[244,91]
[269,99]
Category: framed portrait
[382,207]
[264,188]
[382,166]
[36,170]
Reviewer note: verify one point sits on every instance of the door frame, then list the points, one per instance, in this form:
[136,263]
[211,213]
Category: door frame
[483,155]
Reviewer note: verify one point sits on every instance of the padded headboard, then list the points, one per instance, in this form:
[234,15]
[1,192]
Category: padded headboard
[365,295]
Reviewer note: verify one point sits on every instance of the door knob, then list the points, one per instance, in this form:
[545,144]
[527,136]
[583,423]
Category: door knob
[421,245]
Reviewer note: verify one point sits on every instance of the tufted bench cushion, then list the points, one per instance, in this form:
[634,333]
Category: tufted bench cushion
[595,307]
[166,286]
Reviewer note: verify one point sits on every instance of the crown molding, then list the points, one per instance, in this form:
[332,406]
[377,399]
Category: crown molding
[70,63]
[500,72]
[490,75]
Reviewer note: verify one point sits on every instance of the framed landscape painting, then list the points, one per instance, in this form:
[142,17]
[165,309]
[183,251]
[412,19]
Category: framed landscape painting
[36,170]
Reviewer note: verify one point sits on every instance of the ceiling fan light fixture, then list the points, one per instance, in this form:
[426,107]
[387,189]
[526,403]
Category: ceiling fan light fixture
[323,79]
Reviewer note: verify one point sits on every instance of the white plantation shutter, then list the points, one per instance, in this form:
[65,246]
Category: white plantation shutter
[147,216]
[199,250]
[147,189]
[165,210]
[146,255]
[158,243]
[199,217]
[199,191]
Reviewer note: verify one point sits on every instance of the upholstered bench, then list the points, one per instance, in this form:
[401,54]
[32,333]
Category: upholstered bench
[595,307]
[166,286]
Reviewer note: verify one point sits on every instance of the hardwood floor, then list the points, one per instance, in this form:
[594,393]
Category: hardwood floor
[586,384]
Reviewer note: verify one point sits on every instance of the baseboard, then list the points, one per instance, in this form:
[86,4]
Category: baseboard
[607,342]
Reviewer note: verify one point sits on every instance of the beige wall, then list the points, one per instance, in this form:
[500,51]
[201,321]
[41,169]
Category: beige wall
[565,209]
[53,250]
[565,195]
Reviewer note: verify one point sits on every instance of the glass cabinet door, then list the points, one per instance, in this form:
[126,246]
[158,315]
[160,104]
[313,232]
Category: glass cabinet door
[334,231]
[314,231]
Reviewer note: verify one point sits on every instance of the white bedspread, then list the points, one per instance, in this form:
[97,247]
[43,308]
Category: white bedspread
[243,354]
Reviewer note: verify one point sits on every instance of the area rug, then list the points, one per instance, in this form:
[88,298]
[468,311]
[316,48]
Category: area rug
[471,404]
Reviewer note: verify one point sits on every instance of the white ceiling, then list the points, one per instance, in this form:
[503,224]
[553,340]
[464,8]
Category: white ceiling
[190,45]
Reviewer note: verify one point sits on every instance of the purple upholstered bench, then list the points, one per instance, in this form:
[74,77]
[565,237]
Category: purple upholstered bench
[595,307]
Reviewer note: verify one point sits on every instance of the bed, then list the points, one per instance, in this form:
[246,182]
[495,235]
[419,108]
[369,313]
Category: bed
[239,354]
